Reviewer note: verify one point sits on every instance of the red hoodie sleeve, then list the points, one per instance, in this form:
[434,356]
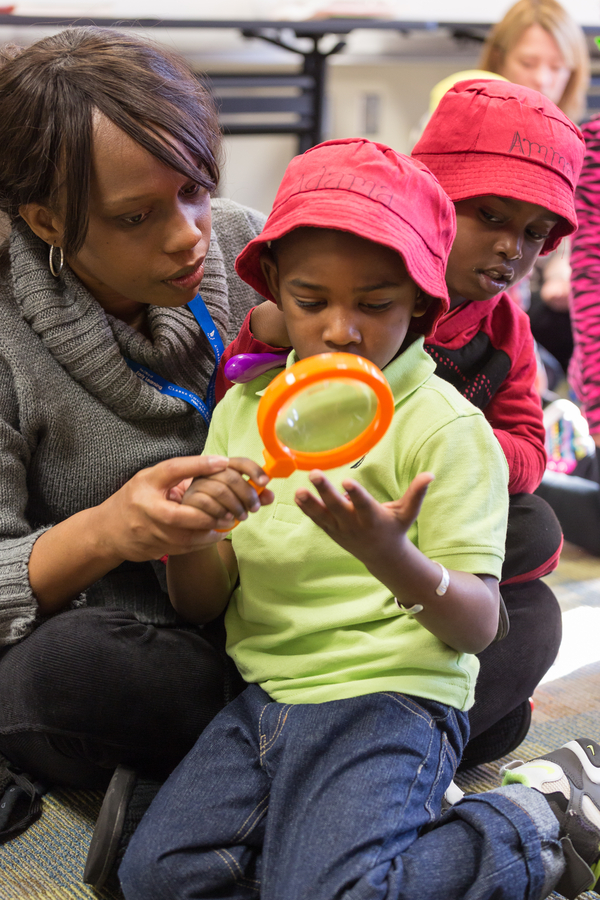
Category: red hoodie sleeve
[245,342]
[515,411]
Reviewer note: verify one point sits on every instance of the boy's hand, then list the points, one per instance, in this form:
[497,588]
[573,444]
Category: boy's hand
[177,493]
[228,496]
[356,521]
[465,618]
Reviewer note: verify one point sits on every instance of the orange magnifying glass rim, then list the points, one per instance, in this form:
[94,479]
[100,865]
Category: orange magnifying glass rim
[280,460]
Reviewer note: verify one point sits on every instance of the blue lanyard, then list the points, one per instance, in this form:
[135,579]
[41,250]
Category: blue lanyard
[204,319]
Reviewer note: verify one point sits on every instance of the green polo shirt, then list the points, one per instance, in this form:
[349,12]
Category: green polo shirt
[308,622]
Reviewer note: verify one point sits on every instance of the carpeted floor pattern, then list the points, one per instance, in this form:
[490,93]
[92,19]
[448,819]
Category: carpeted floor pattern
[46,862]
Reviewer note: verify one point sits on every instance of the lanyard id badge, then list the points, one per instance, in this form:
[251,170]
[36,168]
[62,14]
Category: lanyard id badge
[202,316]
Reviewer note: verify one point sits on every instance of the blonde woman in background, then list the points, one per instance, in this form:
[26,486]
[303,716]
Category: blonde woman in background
[539,45]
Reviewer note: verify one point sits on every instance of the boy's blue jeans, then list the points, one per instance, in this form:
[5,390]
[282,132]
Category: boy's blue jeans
[333,800]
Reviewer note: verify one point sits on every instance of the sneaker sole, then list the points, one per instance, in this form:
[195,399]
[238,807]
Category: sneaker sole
[109,827]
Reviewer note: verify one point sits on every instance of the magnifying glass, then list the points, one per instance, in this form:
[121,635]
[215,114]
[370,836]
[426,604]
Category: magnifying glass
[324,411]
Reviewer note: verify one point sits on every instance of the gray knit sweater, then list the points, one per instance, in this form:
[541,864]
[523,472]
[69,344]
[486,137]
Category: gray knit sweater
[76,423]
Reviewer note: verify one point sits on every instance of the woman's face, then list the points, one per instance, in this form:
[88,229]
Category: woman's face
[149,228]
[536,62]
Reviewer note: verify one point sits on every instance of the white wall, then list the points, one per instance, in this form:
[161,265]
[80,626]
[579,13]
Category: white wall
[253,168]
[399,70]
[255,165]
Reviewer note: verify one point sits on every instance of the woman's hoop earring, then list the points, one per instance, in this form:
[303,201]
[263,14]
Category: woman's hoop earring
[56,270]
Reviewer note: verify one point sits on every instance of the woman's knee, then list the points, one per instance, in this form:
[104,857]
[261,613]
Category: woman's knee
[86,667]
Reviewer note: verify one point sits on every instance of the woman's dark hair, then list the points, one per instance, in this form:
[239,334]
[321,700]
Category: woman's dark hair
[49,93]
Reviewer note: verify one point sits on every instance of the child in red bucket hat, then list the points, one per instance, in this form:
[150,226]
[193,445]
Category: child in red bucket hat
[354,615]
[324,187]
[510,161]
[500,137]
[509,146]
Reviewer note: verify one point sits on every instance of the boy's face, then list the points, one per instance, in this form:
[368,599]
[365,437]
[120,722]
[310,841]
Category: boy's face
[341,293]
[498,239]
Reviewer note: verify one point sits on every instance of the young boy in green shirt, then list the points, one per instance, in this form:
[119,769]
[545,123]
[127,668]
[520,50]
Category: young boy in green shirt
[358,611]
[509,160]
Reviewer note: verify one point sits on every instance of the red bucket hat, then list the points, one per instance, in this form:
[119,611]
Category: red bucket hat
[369,190]
[494,137]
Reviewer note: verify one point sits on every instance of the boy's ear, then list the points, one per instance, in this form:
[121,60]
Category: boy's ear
[269,269]
[422,303]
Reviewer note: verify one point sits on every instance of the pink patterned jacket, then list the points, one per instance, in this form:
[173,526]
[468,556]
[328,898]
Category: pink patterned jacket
[584,370]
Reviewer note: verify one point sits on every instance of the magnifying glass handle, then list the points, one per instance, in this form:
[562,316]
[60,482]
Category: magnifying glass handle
[246,366]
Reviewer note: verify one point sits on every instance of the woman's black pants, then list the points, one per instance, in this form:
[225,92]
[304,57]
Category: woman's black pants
[91,688]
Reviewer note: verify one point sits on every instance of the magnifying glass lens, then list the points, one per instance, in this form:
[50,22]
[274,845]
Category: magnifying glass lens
[326,415]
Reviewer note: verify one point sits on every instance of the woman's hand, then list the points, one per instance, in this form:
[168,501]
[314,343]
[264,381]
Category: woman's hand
[149,518]
[200,584]
[555,291]
[556,294]
[143,520]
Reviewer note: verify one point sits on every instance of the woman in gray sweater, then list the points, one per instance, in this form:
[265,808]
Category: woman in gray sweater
[108,160]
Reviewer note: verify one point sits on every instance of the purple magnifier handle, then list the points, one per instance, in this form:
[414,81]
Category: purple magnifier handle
[246,366]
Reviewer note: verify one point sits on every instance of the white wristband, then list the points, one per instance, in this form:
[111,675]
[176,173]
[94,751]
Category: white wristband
[440,591]
[409,610]
[445,580]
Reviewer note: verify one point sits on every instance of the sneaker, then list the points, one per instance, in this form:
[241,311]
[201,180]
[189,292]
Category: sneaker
[569,778]
[20,800]
[452,796]
[127,798]
[104,845]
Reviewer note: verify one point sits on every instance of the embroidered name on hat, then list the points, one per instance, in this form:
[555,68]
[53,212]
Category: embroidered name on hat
[535,150]
[332,180]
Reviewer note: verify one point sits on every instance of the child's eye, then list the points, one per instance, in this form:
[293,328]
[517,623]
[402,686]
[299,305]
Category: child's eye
[377,307]
[490,216]
[191,189]
[135,220]
[537,235]
[309,304]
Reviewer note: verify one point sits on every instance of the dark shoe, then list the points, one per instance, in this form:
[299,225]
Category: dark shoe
[499,739]
[127,798]
[109,827]
[20,800]
[569,778]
